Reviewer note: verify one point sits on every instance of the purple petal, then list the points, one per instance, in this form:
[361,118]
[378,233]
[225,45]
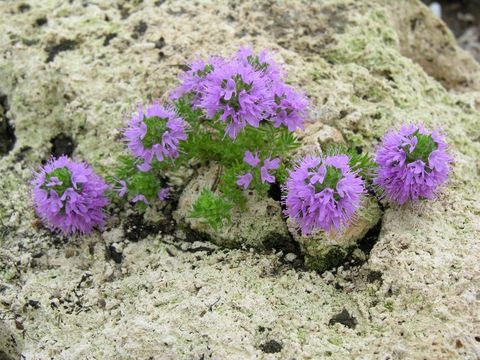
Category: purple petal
[250,159]
[244,180]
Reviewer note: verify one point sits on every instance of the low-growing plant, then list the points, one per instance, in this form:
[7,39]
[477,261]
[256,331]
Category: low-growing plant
[239,113]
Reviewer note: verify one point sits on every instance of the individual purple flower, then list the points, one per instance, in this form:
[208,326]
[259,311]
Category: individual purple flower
[412,164]
[269,164]
[69,197]
[164,193]
[155,132]
[250,159]
[245,180]
[290,107]
[238,95]
[123,188]
[322,193]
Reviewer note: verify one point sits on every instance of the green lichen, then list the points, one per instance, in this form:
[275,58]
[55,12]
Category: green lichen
[328,258]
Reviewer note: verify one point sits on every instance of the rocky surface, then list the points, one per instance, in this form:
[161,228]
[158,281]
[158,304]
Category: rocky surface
[74,70]
[327,250]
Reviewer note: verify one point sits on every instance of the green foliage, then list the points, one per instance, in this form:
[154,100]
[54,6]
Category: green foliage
[363,163]
[64,176]
[138,182]
[212,209]
[228,184]
[424,147]
[207,142]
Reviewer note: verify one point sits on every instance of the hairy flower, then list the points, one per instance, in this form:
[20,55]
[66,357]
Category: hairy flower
[412,163]
[322,193]
[69,197]
[154,132]
[290,107]
[238,94]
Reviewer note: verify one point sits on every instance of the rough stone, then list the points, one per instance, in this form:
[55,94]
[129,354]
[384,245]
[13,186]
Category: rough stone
[367,65]
[324,251]
[261,226]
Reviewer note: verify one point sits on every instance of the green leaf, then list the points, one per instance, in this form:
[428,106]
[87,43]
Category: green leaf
[211,209]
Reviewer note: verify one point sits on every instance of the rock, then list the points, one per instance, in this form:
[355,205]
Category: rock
[324,251]
[10,343]
[317,138]
[261,226]
[366,65]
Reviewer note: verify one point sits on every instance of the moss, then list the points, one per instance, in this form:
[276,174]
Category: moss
[388,305]
[330,257]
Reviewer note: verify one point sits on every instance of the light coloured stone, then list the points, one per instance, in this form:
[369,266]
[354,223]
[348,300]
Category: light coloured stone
[367,65]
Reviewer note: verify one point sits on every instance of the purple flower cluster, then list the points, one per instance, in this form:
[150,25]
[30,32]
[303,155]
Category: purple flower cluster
[412,163]
[322,193]
[193,79]
[265,175]
[244,90]
[155,132]
[69,197]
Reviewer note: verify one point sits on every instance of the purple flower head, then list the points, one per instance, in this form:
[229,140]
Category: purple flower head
[322,193]
[238,94]
[412,163]
[155,132]
[290,107]
[69,197]
[262,63]
[192,81]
